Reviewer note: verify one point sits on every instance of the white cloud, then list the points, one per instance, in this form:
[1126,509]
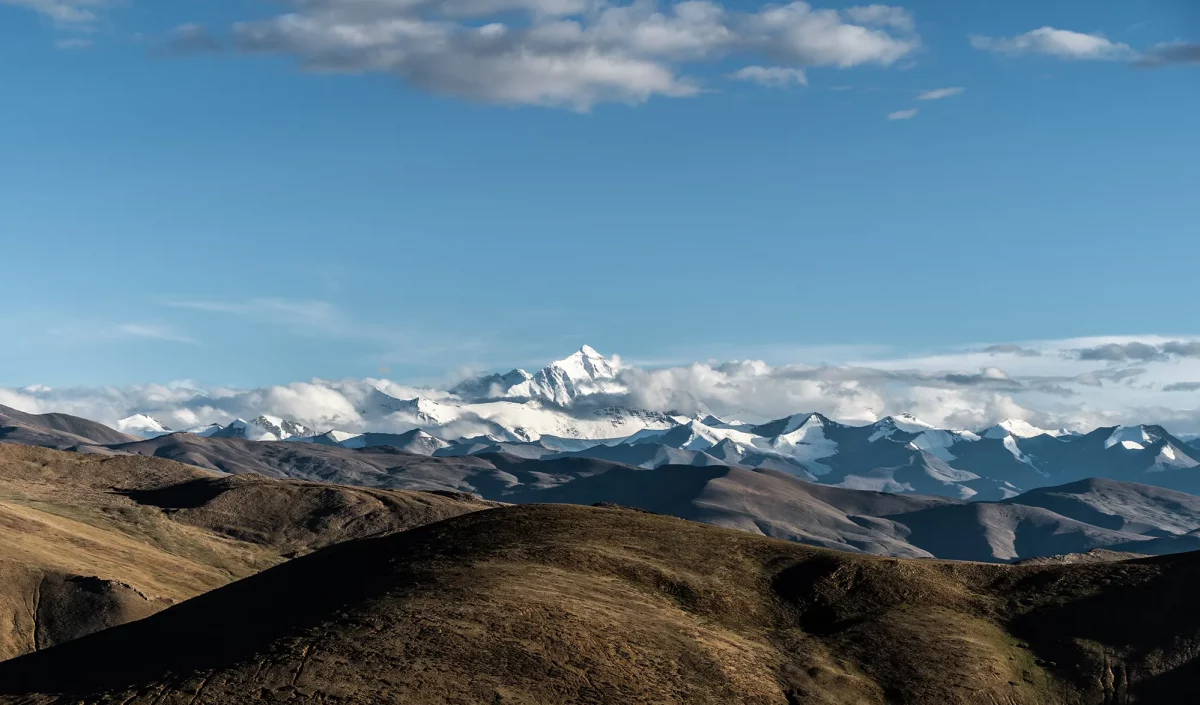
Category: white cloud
[310,313]
[153,332]
[882,15]
[770,76]
[1061,43]
[14,399]
[903,114]
[939,93]
[569,53]
[1048,383]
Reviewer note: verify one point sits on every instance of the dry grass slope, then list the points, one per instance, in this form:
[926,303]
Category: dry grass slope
[93,541]
[561,604]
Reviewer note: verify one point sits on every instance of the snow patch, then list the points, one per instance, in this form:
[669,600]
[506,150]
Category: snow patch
[1129,437]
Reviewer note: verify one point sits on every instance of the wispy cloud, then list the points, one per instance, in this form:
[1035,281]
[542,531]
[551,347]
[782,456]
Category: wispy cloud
[310,317]
[939,93]
[77,14]
[1061,43]
[84,332]
[306,311]
[322,319]
[903,114]
[153,332]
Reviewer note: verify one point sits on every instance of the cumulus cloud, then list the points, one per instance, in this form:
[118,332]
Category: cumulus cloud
[570,53]
[903,114]
[771,76]
[1061,43]
[882,15]
[939,93]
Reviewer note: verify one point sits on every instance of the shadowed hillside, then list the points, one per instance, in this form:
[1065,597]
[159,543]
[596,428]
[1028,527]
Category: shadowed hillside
[92,541]
[563,604]
[55,430]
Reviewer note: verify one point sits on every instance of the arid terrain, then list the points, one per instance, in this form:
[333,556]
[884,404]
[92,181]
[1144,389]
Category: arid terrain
[136,579]
[561,604]
[92,541]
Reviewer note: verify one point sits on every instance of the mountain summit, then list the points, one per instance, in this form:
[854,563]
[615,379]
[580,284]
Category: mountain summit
[561,382]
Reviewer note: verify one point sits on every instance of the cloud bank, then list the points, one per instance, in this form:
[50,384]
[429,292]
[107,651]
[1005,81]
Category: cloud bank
[1079,383]
[573,53]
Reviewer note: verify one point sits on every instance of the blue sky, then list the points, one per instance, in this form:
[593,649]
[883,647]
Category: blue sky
[192,203]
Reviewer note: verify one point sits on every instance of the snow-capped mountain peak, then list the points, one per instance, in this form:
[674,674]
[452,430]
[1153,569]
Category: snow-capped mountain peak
[909,423]
[1018,429]
[587,365]
[1130,437]
[263,428]
[904,423]
[562,381]
[281,428]
[493,386]
[418,411]
[142,425]
[337,436]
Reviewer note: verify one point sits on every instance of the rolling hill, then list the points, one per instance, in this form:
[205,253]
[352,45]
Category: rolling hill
[1077,517]
[564,604]
[55,430]
[92,541]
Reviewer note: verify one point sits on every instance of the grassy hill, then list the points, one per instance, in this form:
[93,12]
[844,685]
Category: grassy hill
[92,541]
[566,604]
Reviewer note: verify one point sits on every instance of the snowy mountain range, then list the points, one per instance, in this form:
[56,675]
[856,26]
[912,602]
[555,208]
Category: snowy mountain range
[556,412]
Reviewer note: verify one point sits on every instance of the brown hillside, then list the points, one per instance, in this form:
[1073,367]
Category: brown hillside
[93,541]
[563,604]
